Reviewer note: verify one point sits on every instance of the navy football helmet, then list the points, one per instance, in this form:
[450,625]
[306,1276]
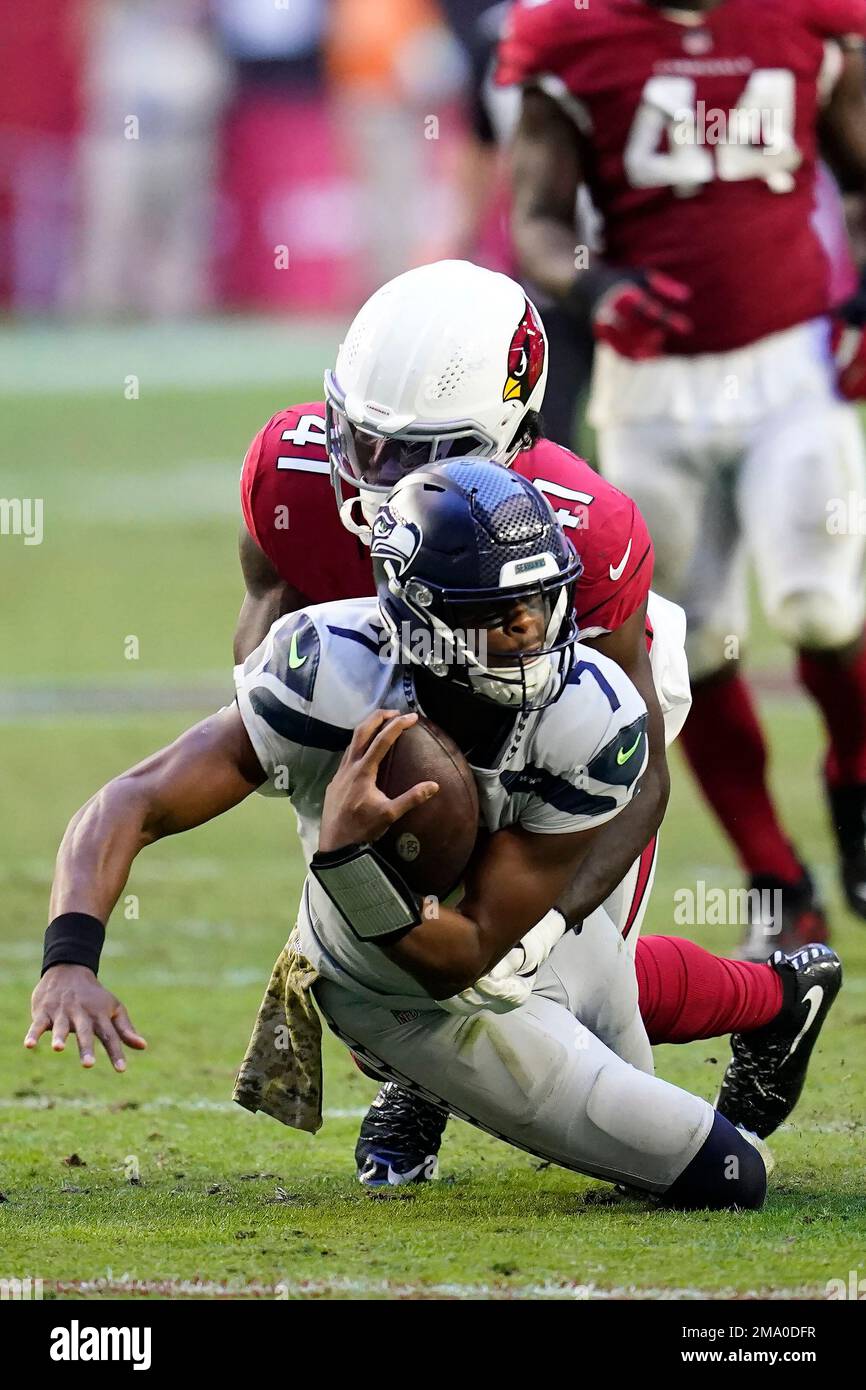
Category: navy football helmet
[454,548]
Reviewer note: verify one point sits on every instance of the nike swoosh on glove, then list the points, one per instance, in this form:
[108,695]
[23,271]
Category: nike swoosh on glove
[637,316]
[848,344]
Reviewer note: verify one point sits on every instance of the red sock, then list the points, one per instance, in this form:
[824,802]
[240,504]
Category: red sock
[687,993]
[725,745]
[839,687]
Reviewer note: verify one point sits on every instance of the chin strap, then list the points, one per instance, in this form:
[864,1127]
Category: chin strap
[361,529]
[510,685]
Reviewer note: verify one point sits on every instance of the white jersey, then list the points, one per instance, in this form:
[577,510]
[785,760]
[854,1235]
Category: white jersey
[322,671]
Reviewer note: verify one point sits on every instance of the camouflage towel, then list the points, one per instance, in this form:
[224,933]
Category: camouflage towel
[281,1073]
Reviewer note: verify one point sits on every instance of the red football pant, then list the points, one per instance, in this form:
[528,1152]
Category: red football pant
[837,683]
[687,993]
[725,746]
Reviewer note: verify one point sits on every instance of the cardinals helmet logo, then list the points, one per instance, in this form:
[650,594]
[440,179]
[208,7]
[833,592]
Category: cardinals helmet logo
[394,539]
[525,357]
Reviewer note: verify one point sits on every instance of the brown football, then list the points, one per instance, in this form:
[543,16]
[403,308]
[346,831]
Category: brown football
[431,845]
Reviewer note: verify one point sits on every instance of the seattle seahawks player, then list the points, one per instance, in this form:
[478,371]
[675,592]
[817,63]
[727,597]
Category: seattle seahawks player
[451,357]
[556,739]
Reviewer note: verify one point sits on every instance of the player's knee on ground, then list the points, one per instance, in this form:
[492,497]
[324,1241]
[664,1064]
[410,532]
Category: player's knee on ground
[727,1171]
[817,620]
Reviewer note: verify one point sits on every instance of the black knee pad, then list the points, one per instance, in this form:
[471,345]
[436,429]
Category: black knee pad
[727,1171]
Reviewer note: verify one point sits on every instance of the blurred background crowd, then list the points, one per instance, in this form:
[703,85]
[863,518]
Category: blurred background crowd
[164,157]
[161,159]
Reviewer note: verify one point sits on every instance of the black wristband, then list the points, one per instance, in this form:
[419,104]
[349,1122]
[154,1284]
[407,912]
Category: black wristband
[73,938]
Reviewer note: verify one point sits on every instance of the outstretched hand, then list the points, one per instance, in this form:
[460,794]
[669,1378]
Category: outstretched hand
[70,999]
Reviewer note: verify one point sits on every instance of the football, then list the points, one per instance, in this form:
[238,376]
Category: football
[432,844]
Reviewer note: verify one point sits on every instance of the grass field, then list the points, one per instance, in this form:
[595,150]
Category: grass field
[140,527]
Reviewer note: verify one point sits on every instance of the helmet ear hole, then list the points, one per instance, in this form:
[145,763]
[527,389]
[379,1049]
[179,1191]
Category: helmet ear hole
[533,428]
[526,435]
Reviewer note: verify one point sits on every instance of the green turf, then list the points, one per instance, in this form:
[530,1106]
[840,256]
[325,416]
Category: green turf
[224,1196]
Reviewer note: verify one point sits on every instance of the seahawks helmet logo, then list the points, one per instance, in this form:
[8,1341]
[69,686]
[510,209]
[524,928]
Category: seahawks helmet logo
[394,539]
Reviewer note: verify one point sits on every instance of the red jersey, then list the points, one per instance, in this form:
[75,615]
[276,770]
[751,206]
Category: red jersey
[290,511]
[700,144]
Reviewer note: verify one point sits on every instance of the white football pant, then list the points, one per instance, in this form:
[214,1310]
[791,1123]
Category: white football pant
[546,1077]
[739,458]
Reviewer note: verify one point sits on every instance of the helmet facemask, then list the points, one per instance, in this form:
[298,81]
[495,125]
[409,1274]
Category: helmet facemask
[373,462]
[457,623]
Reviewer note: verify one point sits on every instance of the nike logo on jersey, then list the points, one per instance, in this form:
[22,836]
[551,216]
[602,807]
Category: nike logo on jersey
[617,572]
[295,661]
[813,999]
[623,754]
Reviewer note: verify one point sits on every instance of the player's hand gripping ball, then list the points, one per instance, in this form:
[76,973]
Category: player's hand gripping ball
[404,785]
[432,844]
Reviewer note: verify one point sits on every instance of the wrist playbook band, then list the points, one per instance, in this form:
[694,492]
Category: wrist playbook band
[73,938]
[369,894]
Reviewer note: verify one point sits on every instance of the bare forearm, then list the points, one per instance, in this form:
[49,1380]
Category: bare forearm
[546,253]
[97,851]
[205,772]
[618,844]
[267,598]
[450,952]
[257,616]
[508,890]
[545,176]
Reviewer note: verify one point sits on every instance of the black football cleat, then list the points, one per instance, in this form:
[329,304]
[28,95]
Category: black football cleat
[765,1075]
[848,814]
[400,1138]
[782,917]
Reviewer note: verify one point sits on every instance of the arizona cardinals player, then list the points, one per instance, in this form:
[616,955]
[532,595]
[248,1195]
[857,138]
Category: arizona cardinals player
[449,359]
[717,399]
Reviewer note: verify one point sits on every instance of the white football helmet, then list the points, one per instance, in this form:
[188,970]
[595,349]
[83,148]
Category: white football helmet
[443,361]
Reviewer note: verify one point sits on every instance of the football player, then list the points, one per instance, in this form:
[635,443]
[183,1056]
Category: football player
[450,356]
[723,376]
[469,558]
